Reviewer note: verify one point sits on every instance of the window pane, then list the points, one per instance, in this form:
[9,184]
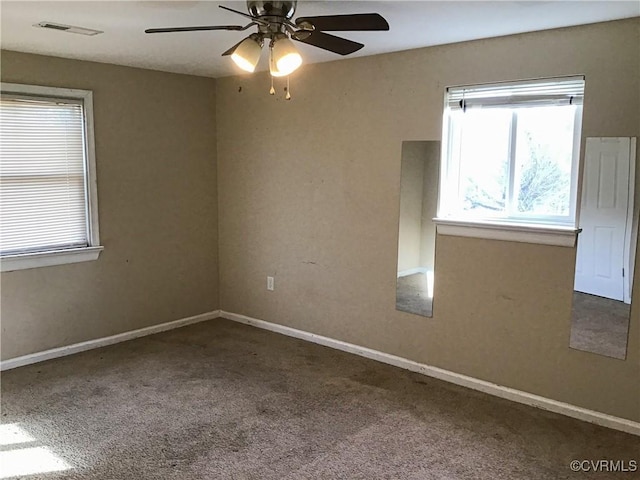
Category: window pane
[543,161]
[484,161]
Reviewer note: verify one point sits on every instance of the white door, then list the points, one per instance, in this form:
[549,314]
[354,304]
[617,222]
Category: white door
[603,218]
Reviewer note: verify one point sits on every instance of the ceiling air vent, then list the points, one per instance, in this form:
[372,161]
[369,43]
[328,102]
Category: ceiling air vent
[68,28]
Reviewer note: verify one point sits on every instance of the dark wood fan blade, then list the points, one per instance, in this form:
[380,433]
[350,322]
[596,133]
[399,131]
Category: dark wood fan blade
[357,21]
[332,43]
[194,29]
[236,11]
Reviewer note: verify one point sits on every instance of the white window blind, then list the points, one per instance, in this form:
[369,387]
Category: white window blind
[43,192]
[558,91]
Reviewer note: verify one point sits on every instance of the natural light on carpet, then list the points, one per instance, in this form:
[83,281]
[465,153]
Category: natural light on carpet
[19,460]
[10,434]
[429,274]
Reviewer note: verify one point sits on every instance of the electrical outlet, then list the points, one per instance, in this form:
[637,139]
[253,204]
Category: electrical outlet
[270,283]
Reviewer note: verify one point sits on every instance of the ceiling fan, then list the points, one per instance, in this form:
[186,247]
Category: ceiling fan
[274,22]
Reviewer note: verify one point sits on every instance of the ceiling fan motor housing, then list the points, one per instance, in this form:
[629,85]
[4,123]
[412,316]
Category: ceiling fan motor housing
[270,8]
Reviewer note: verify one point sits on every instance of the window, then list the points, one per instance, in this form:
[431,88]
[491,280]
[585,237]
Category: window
[48,203]
[511,153]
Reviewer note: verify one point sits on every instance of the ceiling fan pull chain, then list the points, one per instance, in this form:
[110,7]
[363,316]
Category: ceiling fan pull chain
[288,95]
[272,91]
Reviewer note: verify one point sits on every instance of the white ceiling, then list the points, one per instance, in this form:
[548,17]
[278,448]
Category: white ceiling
[413,24]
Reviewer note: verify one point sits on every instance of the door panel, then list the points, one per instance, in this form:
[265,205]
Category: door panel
[607,180]
[605,246]
[603,218]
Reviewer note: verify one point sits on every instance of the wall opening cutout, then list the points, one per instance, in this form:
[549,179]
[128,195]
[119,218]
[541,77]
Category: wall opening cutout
[419,180]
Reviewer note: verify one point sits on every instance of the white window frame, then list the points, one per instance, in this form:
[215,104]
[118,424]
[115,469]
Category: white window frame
[21,261]
[561,231]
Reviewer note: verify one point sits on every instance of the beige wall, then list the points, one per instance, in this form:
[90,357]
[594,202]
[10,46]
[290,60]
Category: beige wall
[308,191]
[156,171]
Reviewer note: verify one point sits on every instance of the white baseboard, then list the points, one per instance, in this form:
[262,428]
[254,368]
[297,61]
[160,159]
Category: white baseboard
[519,396]
[103,342]
[412,271]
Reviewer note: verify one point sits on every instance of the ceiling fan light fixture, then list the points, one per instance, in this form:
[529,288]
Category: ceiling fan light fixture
[273,68]
[285,56]
[247,55]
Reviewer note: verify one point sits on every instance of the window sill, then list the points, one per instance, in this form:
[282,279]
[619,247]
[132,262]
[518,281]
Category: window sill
[24,261]
[511,232]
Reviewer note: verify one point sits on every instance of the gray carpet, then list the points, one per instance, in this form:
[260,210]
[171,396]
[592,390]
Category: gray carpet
[412,295]
[599,325]
[219,400]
